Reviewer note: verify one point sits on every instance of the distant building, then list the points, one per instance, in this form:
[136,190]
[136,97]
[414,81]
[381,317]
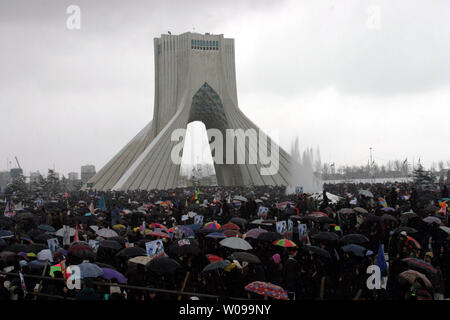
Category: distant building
[35,176]
[5,178]
[87,172]
[73,176]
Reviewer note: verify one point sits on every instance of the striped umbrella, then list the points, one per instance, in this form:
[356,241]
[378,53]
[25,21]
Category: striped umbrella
[212,225]
[420,264]
[285,243]
[267,289]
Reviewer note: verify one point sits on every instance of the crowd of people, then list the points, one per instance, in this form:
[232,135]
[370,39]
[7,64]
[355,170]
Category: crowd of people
[399,228]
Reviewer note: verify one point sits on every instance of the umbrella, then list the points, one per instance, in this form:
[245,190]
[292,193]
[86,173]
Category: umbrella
[46,227]
[111,244]
[244,256]
[37,264]
[9,257]
[113,274]
[81,251]
[216,235]
[131,252]
[231,226]
[346,211]
[23,215]
[163,265]
[420,264]
[115,227]
[354,238]
[143,260]
[357,250]
[155,225]
[16,247]
[409,214]
[6,234]
[431,219]
[254,233]
[388,209]
[239,221]
[412,275]
[270,236]
[104,265]
[325,220]
[283,205]
[316,250]
[89,270]
[95,228]
[212,225]
[42,238]
[184,247]
[213,258]
[258,200]
[194,227]
[236,243]
[361,210]
[232,233]
[60,232]
[385,217]
[406,229]
[317,214]
[414,241]
[446,229]
[366,193]
[6,222]
[106,233]
[204,231]
[240,198]
[222,264]
[159,234]
[329,236]
[267,289]
[285,243]
[45,254]
[262,222]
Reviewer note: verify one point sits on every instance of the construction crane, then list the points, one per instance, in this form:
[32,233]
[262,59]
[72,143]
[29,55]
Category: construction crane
[18,163]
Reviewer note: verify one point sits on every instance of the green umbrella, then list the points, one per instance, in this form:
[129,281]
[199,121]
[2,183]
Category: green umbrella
[217,265]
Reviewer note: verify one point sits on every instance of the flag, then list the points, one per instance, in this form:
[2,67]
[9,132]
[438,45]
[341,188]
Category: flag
[66,195]
[443,206]
[22,283]
[381,260]
[91,208]
[382,202]
[75,237]
[9,210]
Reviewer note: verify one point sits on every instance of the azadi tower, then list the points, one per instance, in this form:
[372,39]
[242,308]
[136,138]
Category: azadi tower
[195,80]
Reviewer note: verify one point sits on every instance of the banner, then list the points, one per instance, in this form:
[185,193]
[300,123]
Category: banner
[302,230]
[154,248]
[94,244]
[66,235]
[298,190]
[53,245]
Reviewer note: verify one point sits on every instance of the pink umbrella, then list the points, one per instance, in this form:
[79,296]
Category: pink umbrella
[254,233]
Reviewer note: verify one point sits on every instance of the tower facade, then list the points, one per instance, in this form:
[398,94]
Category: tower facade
[195,80]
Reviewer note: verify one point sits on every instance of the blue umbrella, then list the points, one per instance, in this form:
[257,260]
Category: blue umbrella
[388,209]
[357,250]
[6,234]
[111,273]
[194,226]
[90,270]
[216,235]
[188,232]
[46,227]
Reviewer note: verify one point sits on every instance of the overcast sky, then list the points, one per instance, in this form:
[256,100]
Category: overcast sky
[341,75]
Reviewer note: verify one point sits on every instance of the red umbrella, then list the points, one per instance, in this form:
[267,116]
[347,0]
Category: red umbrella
[232,233]
[267,289]
[231,226]
[155,225]
[413,241]
[159,234]
[412,275]
[318,214]
[212,258]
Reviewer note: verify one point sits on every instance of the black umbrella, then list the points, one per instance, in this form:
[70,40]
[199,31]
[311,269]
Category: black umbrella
[36,247]
[111,244]
[81,251]
[310,218]
[163,265]
[104,265]
[408,230]
[244,256]
[316,250]
[17,248]
[6,222]
[239,221]
[325,220]
[354,238]
[42,238]
[371,217]
[270,236]
[328,236]
[184,247]
[386,217]
[204,231]
[131,252]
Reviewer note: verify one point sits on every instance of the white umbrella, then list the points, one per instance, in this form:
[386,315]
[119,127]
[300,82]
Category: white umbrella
[258,200]
[45,254]
[191,214]
[95,228]
[446,229]
[366,193]
[236,243]
[240,198]
[107,233]
[60,232]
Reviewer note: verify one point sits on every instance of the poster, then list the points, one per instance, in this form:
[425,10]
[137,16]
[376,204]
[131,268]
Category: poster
[281,227]
[183,242]
[154,248]
[302,230]
[94,244]
[298,190]
[290,227]
[262,211]
[198,219]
